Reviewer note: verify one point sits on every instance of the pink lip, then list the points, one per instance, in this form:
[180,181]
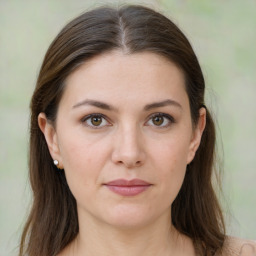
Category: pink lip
[128,187]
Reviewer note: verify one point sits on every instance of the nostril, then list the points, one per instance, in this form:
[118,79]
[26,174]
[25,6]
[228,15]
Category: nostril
[130,164]
[138,163]
[129,154]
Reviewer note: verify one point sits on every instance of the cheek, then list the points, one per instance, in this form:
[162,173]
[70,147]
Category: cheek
[173,152]
[83,160]
[171,158]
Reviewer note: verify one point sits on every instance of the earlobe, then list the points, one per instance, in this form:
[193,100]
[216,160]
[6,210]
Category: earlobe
[197,134]
[50,136]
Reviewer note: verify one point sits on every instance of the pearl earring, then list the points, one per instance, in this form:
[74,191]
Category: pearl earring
[56,163]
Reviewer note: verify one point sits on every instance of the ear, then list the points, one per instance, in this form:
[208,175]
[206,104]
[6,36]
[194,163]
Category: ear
[51,137]
[197,135]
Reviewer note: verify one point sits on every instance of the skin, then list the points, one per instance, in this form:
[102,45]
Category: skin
[128,143]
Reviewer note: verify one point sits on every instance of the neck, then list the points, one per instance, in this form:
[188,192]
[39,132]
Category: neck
[157,238]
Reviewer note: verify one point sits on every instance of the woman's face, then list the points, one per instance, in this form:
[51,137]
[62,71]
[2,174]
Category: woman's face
[124,117]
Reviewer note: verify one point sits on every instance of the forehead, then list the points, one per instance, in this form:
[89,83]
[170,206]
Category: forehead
[114,75]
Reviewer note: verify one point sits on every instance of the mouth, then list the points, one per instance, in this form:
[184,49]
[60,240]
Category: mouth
[128,187]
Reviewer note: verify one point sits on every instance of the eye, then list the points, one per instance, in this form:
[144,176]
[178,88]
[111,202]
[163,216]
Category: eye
[95,121]
[161,120]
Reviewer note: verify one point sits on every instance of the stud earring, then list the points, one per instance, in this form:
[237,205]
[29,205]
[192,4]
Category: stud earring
[56,162]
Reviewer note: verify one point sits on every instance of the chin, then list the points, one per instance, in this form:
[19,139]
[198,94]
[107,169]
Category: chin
[128,217]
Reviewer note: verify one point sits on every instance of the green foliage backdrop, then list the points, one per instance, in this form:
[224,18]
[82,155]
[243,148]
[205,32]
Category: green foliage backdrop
[223,34]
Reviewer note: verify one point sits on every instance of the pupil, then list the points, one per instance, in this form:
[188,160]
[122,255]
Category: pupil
[96,121]
[158,120]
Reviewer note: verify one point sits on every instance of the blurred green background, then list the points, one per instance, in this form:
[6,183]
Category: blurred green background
[223,34]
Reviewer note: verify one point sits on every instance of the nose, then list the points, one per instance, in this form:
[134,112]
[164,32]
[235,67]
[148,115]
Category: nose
[128,148]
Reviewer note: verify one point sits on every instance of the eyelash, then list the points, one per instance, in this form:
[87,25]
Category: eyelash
[169,118]
[86,118]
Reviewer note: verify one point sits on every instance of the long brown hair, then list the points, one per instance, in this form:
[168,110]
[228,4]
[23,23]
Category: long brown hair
[53,222]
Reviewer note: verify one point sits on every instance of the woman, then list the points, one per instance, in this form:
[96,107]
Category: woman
[122,144]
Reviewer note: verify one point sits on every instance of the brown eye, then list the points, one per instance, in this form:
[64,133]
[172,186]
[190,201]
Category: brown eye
[158,120]
[96,121]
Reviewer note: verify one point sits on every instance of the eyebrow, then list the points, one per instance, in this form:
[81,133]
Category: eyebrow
[148,107]
[95,103]
[163,103]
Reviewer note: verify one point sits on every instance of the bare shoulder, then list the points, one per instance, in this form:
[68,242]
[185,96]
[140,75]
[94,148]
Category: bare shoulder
[234,246]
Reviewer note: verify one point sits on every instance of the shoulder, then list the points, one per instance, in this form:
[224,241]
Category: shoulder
[238,247]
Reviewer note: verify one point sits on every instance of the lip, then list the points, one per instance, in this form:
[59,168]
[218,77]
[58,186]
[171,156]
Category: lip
[128,187]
